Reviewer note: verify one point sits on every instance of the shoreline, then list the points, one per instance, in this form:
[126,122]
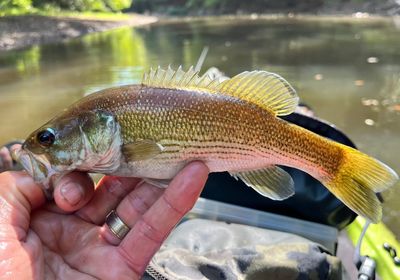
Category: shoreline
[18,32]
[355,17]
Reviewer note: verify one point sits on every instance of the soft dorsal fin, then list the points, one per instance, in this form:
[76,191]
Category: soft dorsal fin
[267,90]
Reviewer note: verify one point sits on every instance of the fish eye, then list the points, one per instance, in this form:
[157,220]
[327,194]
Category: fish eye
[46,137]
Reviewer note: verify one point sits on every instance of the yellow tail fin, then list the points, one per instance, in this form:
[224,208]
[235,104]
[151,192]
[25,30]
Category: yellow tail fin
[357,181]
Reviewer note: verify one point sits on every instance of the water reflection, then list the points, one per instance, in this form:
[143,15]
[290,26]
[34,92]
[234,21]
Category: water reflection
[387,104]
[29,62]
[338,68]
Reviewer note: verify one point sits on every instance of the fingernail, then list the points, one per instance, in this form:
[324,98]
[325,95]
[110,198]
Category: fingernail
[72,193]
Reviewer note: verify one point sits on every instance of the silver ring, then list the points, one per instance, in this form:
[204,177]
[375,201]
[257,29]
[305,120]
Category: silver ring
[116,225]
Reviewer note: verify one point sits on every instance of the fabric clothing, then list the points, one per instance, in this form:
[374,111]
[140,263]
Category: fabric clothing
[203,249]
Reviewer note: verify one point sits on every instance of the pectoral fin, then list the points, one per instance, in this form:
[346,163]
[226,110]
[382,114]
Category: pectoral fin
[142,150]
[272,182]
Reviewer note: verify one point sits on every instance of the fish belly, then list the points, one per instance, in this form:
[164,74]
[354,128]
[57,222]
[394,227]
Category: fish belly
[218,159]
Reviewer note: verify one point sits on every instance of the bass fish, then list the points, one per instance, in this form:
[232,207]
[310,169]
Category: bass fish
[153,129]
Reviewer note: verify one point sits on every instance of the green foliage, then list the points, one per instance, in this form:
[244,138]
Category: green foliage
[118,5]
[72,5]
[26,6]
[15,6]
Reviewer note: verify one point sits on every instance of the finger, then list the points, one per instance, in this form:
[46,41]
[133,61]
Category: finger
[145,238]
[2,169]
[73,191]
[109,192]
[14,148]
[133,206]
[19,195]
[5,159]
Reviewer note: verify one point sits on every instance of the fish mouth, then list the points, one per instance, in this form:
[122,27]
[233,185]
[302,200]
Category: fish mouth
[37,166]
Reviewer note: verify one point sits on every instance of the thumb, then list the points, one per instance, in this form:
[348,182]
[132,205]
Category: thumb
[73,191]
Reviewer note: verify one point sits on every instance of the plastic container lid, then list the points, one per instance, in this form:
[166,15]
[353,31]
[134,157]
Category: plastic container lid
[219,211]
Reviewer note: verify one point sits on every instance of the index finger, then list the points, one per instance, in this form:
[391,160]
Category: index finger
[146,237]
[5,159]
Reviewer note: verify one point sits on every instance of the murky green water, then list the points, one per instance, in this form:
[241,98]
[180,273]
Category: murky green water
[348,72]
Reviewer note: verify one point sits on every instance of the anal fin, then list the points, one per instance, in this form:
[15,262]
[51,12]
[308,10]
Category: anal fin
[272,182]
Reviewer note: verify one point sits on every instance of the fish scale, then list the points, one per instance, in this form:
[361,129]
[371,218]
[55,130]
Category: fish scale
[188,118]
[201,116]
[154,129]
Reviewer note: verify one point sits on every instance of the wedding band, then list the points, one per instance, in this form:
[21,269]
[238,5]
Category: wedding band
[116,225]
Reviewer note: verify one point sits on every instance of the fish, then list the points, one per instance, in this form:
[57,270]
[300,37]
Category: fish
[153,129]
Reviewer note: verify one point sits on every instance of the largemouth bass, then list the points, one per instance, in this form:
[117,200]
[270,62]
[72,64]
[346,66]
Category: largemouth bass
[153,129]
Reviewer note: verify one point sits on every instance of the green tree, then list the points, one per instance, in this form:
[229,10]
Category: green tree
[85,5]
[24,5]
[118,5]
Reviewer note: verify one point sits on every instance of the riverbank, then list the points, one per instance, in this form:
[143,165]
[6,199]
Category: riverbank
[17,32]
[237,7]
[225,19]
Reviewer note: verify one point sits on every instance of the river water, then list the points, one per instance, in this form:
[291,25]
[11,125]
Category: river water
[348,71]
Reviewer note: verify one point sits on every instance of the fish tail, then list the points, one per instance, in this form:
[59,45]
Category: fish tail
[358,179]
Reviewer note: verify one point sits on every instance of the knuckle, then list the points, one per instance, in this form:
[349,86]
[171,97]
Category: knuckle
[138,204]
[150,232]
[4,151]
[181,208]
[114,187]
[137,268]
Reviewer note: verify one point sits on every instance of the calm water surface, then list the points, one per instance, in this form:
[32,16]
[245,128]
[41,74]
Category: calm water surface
[348,72]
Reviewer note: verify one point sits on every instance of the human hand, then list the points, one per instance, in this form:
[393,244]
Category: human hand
[39,240]
[6,162]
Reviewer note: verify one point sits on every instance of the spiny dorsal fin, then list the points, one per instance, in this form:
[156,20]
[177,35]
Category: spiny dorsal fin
[267,90]
[179,79]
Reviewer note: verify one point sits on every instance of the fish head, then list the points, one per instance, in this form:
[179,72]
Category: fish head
[69,142]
